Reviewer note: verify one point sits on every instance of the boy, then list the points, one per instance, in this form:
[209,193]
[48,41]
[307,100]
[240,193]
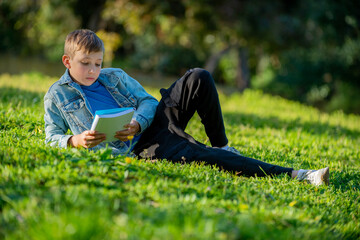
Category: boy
[158,128]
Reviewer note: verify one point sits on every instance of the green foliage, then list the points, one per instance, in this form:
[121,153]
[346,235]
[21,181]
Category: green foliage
[40,26]
[315,43]
[346,98]
[51,193]
[112,41]
[177,60]
[317,71]
[226,72]
[152,56]
[317,76]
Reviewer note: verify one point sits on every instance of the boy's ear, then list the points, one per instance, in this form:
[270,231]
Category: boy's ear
[66,61]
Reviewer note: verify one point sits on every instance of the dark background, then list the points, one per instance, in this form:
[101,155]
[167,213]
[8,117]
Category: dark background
[308,51]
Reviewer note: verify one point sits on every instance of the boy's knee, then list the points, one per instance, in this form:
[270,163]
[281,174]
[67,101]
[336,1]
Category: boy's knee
[202,75]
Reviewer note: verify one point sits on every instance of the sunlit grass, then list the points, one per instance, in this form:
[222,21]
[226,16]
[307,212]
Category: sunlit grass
[50,193]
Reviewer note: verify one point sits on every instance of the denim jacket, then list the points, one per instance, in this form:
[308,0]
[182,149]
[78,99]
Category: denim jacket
[66,107]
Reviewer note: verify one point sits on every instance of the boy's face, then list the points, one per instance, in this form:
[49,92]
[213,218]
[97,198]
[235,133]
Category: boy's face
[84,68]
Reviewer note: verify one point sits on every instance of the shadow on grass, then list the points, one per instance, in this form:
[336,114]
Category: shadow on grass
[314,128]
[16,96]
[345,181]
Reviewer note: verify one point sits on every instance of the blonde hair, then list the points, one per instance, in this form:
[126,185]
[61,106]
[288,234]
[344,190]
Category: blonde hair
[84,40]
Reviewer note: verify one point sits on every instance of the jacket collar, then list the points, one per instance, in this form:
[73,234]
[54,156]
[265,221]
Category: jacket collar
[107,79]
[65,78]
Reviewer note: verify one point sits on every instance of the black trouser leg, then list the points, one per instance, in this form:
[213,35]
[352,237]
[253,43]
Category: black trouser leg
[240,165]
[166,139]
[196,91]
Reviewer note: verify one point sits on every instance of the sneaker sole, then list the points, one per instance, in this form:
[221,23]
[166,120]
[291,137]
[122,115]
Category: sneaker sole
[325,176]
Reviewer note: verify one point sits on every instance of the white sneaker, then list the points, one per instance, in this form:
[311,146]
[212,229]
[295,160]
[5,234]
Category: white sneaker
[315,177]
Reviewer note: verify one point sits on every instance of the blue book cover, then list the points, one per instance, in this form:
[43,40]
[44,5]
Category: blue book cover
[111,111]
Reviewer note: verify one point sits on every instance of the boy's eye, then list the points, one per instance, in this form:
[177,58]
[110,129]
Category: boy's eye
[98,65]
[84,63]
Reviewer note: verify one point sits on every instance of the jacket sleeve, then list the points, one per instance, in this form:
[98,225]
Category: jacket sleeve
[55,126]
[146,104]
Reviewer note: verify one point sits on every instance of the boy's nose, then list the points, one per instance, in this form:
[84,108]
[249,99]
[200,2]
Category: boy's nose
[91,70]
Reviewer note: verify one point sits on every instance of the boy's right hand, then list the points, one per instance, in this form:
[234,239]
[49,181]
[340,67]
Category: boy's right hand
[87,139]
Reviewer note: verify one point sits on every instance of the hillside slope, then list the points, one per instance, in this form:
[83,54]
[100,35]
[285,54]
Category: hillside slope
[50,193]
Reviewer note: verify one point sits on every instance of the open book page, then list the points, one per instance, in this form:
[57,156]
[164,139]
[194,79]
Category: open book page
[110,121]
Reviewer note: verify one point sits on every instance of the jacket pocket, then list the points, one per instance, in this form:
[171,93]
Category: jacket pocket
[73,105]
[77,115]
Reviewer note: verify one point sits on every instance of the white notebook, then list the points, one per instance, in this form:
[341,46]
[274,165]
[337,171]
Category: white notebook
[112,120]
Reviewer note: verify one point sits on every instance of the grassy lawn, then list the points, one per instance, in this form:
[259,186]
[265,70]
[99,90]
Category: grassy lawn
[50,193]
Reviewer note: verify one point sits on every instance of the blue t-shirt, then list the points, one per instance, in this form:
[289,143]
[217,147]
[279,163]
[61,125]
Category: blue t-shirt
[100,99]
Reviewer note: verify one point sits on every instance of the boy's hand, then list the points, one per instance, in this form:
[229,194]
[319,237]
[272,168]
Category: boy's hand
[132,128]
[87,139]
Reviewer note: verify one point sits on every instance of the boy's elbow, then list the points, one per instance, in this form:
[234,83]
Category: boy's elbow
[51,141]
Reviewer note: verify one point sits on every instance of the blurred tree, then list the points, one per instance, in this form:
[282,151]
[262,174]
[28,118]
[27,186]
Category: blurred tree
[320,70]
[210,28]
[111,41]
[40,25]
[303,50]
[312,46]
[11,37]
[89,12]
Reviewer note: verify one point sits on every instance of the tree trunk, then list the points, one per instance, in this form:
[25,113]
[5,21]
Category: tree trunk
[242,80]
[213,61]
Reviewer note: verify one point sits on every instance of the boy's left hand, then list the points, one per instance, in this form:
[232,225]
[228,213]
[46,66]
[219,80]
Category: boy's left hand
[132,128]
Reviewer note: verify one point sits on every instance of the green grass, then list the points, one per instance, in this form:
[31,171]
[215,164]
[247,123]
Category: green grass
[50,193]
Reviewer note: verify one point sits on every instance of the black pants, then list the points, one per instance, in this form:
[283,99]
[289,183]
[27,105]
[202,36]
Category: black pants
[166,139]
